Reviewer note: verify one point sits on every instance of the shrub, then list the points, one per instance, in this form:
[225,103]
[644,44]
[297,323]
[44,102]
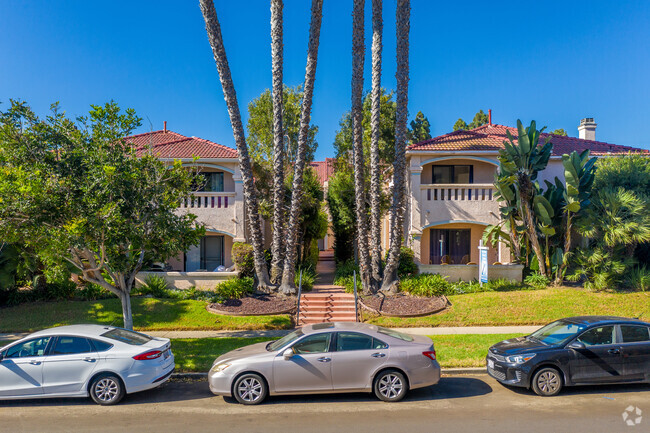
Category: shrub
[154,285]
[308,278]
[502,285]
[465,287]
[407,266]
[234,288]
[348,283]
[638,278]
[537,281]
[345,269]
[242,257]
[92,292]
[426,285]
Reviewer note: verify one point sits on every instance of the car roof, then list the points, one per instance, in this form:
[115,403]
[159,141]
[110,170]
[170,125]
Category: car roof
[81,330]
[602,320]
[339,326]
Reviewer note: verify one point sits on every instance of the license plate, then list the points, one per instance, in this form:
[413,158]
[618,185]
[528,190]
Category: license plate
[490,363]
[166,354]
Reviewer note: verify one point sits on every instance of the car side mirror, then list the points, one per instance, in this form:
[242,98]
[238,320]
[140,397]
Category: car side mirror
[2,356]
[287,354]
[577,345]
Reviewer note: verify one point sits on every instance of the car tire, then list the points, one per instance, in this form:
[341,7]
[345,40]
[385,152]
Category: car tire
[107,389]
[250,388]
[390,385]
[547,382]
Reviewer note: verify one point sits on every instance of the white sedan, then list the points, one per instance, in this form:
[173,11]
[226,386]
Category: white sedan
[80,360]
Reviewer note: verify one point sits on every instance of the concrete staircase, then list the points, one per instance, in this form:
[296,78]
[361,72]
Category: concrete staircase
[329,304]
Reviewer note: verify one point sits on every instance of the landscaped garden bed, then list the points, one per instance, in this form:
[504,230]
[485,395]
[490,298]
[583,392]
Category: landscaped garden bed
[403,305]
[254,305]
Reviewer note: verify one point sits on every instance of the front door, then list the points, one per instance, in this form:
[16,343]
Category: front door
[356,358]
[600,360]
[309,369]
[21,369]
[635,351]
[69,365]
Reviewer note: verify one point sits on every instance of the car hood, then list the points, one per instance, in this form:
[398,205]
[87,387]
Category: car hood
[519,345]
[244,352]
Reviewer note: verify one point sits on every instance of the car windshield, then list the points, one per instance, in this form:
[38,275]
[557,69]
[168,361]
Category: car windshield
[557,332]
[394,334]
[289,338]
[128,337]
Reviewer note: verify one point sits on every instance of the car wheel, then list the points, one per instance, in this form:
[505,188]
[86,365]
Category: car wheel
[106,389]
[250,389]
[390,385]
[547,382]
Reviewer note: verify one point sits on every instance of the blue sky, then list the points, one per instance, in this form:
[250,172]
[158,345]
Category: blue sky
[553,61]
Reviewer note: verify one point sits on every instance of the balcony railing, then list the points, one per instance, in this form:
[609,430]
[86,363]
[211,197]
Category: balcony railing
[458,192]
[211,200]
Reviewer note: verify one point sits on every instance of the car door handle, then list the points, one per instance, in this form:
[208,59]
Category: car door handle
[614,351]
[89,359]
[34,362]
[324,359]
[378,355]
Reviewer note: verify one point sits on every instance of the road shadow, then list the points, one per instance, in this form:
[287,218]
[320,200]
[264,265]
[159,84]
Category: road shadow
[447,388]
[587,389]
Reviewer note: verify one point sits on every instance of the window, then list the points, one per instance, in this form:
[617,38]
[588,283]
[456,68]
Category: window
[452,174]
[449,246]
[598,336]
[34,347]
[211,252]
[71,345]
[318,343]
[634,334]
[212,182]
[353,341]
[287,339]
[100,346]
[394,334]
[557,332]
[129,337]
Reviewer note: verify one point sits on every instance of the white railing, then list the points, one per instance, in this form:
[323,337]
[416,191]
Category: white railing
[210,200]
[458,192]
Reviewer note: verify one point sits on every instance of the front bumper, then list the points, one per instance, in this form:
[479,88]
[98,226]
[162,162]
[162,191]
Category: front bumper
[219,384]
[508,373]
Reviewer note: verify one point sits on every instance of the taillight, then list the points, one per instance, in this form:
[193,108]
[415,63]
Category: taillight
[431,354]
[152,354]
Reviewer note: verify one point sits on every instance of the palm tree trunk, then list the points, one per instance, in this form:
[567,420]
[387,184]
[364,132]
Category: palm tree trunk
[375,186]
[288,285]
[213,29]
[278,141]
[532,232]
[397,209]
[358,55]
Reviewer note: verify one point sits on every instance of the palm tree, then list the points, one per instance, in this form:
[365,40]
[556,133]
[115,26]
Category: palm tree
[278,141]
[375,186]
[358,48]
[213,29]
[288,274]
[397,210]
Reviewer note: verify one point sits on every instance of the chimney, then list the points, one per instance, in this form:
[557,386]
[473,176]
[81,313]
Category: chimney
[490,117]
[587,129]
[165,126]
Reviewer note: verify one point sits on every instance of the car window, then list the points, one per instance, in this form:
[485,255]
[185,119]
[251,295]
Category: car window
[318,343]
[378,344]
[129,337]
[598,336]
[287,339]
[100,346]
[71,345]
[558,332]
[633,334]
[394,334]
[34,347]
[353,341]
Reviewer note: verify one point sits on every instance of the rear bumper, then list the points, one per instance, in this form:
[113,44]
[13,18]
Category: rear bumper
[425,376]
[143,377]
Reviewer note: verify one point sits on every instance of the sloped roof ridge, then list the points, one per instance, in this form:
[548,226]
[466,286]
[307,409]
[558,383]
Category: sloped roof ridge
[449,134]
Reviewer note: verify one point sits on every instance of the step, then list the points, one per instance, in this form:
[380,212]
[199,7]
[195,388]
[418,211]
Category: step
[328,308]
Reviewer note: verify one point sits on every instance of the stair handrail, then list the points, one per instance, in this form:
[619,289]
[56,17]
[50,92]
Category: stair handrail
[356,311]
[299,295]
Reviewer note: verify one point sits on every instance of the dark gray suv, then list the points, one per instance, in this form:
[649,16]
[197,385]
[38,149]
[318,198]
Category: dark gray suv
[574,351]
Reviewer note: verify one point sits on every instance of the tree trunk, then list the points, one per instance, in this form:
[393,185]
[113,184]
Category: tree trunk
[531,227]
[127,314]
[358,55]
[375,185]
[559,277]
[277,252]
[399,166]
[213,29]
[514,240]
[288,275]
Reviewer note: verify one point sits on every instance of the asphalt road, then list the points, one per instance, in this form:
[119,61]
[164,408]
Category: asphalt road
[474,403]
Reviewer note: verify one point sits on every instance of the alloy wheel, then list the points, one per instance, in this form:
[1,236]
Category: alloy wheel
[106,390]
[250,389]
[390,386]
[548,382]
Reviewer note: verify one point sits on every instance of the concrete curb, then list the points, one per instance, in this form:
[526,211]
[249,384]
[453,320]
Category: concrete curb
[445,372]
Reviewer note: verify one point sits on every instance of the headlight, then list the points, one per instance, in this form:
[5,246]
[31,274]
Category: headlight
[520,359]
[217,368]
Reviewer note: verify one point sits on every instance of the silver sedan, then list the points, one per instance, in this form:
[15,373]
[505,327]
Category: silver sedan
[328,358]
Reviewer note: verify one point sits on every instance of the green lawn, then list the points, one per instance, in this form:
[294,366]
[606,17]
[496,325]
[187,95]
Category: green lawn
[528,307]
[148,314]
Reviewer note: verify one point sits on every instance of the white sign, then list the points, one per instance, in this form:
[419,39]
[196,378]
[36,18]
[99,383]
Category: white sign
[483,264]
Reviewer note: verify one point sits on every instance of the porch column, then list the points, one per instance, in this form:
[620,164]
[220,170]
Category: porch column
[240,233]
[415,221]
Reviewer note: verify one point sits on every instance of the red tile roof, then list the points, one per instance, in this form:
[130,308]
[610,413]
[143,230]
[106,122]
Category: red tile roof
[491,137]
[168,144]
[324,169]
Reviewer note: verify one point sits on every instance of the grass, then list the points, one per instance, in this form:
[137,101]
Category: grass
[149,314]
[527,307]
[198,354]
[469,350]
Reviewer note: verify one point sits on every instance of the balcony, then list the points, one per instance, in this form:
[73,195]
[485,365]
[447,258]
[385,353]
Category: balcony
[210,200]
[458,202]
[216,210]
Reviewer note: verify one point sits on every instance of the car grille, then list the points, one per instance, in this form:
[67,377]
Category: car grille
[497,374]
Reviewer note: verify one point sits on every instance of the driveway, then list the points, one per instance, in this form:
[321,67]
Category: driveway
[474,403]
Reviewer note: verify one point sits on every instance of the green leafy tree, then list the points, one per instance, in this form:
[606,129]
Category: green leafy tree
[340,201]
[461,124]
[76,192]
[420,129]
[480,119]
[560,131]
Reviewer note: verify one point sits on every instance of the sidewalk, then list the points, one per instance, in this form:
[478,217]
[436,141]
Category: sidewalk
[279,333]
